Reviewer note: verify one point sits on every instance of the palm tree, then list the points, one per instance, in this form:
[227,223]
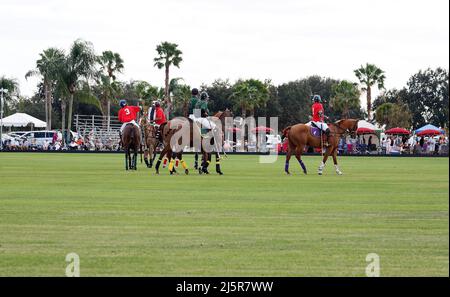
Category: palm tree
[345,97]
[250,94]
[110,64]
[48,67]
[182,95]
[79,65]
[168,55]
[12,86]
[368,76]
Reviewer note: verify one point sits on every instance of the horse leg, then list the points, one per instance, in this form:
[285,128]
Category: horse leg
[206,163]
[130,165]
[298,155]
[183,163]
[288,158]
[152,160]
[126,159]
[196,161]
[218,170]
[336,166]
[324,161]
[146,154]
[161,155]
[135,159]
[172,158]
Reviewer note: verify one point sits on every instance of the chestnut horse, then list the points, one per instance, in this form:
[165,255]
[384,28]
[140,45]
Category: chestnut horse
[300,136]
[150,141]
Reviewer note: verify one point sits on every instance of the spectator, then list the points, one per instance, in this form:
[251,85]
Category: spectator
[422,142]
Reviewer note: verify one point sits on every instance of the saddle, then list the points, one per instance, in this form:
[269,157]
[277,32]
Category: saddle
[316,132]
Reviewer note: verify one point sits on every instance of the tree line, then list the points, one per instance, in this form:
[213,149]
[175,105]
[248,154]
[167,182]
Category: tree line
[81,82]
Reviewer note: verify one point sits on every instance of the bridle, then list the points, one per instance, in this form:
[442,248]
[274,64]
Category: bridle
[344,130]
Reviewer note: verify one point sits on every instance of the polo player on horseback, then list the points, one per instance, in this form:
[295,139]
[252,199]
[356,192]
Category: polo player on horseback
[318,117]
[193,103]
[157,117]
[128,115]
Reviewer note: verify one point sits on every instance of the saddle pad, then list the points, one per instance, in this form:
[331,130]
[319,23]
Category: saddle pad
[315,132]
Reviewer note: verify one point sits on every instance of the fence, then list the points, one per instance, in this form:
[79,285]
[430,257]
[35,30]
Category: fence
[101,128]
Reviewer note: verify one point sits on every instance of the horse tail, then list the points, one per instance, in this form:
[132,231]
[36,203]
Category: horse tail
[286,132]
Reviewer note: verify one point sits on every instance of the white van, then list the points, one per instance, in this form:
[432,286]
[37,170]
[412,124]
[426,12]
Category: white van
[37,139]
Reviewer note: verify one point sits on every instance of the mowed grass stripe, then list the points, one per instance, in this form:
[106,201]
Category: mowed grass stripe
[253,221]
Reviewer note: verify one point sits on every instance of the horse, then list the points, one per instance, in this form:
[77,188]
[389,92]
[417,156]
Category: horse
[168,130]
[301,135]
[217,142]
[131,141]
[150,141]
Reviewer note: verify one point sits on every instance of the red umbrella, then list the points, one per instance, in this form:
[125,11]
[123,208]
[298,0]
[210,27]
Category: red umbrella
[429,133]
[398,131]
[262,129]
[365,131]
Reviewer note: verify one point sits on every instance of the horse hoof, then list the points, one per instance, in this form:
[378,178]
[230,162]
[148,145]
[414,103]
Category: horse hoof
[186,172]
[320,173]
[306,173]
[220,173]
[339,173]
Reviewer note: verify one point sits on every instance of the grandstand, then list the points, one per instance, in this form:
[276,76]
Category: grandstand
[99,130]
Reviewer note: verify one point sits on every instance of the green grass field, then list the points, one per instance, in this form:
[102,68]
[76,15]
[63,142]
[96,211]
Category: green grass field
[254,221]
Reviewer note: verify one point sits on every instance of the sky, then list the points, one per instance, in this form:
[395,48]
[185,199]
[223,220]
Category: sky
[282,40]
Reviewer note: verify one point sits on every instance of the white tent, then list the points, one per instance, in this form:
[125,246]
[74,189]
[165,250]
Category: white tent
[22,120]
[367,125]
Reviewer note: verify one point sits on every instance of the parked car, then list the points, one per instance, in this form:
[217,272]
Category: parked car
[37,139]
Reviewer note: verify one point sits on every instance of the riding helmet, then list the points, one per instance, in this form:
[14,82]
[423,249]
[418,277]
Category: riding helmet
[194,92]
[317,98]
[123,103]
[204,96]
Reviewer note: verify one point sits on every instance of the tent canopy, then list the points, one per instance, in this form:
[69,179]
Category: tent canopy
[429,129]
[364,127]
[22,120]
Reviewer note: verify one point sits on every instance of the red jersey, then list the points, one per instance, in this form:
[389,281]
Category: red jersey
[128,113]
[160,117]
[317,111]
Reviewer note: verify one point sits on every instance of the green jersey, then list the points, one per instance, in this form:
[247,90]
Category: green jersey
[202,105]
[193,104]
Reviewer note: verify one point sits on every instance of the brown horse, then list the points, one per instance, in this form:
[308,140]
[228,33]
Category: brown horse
[131,141]
[150,141]
[193,134]
[185,128]
[300,136]
[217,141]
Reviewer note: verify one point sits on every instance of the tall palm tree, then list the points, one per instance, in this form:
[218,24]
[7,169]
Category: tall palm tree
[168,55]
[79,64]
[110,64]
[368,76]
[48,66]
[12,85]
